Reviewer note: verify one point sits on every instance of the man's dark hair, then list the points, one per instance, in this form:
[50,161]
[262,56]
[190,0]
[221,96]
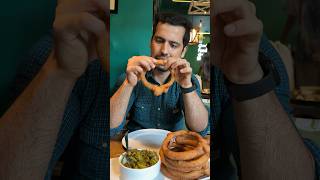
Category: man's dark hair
[175,20]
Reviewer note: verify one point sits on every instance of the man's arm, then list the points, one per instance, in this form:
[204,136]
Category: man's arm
[119,103]
[196,114]
[120,100]
[270,147]
[28,130]
[267,119]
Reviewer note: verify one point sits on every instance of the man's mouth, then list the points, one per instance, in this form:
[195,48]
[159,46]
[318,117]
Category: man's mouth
[162,57]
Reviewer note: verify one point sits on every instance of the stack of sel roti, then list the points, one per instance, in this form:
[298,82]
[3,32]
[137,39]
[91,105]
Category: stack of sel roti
[184,155]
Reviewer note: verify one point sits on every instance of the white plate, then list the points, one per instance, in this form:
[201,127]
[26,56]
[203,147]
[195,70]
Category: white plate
[146,139]
[115,171]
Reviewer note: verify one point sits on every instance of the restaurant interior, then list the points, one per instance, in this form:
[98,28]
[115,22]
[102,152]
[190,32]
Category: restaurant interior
[130,33]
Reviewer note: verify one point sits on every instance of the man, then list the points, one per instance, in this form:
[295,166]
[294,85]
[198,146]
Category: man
[64,97]
[170,37]
[250,111]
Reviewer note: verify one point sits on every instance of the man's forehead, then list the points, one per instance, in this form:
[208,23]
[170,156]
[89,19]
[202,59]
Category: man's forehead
[170,25]
[173,32]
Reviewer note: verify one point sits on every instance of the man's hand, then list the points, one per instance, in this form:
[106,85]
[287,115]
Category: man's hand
[137,65]
[237,34]
[182,70]
[79,34]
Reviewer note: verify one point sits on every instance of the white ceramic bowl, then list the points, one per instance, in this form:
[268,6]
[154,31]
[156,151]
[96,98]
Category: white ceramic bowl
[139,174]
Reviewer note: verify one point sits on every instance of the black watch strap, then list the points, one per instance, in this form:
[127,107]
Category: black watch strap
[188,90]
[271,79]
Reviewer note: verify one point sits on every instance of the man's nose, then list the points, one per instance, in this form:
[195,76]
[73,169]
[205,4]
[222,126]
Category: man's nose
[165,49]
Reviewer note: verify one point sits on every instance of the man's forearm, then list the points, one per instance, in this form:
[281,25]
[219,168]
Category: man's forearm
[119,103]
[270,147]
[195,112]
[28,130]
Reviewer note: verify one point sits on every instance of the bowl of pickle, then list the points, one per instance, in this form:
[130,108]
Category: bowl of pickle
[139,164]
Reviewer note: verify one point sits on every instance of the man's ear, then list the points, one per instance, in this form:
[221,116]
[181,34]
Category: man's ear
[185,49]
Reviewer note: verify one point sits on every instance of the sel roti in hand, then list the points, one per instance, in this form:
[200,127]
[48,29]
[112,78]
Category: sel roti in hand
[158,90]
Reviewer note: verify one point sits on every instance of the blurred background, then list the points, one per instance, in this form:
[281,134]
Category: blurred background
[23,23]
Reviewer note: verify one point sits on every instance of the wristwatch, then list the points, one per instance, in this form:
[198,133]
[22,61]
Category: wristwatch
[270,80]
[190,89]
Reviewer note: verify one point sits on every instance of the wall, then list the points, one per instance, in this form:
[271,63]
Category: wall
[273,15]
[23,23]
[130,34]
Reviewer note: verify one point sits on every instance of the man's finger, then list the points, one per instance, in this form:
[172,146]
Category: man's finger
[149,60]
[75,23]
[180,64]
[135,70]
[170,62]
[146,64]
[186,70]
[138,69]
[244,27]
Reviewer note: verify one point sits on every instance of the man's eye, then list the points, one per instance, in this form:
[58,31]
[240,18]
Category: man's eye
[159,40]
[174,45]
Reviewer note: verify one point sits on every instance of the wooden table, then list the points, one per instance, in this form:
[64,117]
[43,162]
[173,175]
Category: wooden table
[116,148]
